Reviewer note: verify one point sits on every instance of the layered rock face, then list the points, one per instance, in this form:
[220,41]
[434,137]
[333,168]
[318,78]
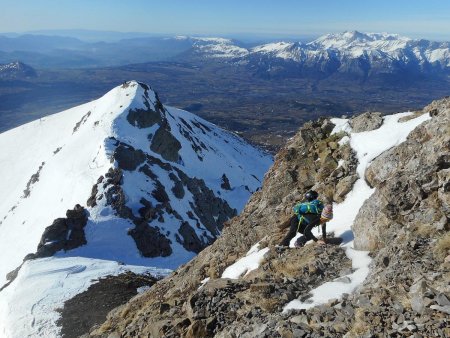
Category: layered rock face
[404,223]
[412,185]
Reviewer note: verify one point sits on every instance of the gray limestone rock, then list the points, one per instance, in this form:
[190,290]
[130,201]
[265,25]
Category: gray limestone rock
[444,309]
[407,182]
[366,122]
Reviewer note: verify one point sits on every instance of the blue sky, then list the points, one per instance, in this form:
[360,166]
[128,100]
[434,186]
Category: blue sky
[427,18]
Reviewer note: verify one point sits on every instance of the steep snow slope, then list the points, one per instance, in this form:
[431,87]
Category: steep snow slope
[52,164]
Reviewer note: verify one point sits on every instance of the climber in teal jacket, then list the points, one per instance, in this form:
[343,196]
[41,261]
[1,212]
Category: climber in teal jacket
[307,215]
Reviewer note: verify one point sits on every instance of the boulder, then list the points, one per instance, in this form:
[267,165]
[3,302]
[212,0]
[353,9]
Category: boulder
[343,187]
[366,122]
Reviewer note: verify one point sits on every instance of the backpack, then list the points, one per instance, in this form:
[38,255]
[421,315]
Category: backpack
[303,209]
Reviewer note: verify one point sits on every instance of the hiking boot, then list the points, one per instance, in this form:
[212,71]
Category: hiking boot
[281,248]
[300,242]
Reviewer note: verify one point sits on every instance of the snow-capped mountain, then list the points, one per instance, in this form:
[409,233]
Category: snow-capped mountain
[16,70]
[386,51]
[130,160]
[213,47]
[151,185]
[349,52]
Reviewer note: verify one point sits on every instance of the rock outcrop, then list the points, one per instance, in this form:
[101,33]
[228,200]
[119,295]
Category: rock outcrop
[165,144]
[91,306]
[366,122]
[417,173]
[64,234]
[405,222]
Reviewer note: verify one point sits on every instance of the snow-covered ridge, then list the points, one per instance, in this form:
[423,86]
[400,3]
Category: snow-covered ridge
[157,184]
[355,45]
[348,40]
[218,47]
[56,161]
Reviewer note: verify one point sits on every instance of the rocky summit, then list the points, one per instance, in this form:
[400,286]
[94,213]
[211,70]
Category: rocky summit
[402,223]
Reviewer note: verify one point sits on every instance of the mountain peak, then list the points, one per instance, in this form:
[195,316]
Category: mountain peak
[17,70]
[214,47]
[353,35]
[348,39]
[153,173]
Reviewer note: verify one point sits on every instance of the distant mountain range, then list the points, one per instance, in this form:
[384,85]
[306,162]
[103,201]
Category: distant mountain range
[356,53]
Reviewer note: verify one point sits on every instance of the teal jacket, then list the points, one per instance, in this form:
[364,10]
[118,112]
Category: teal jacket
[301,209]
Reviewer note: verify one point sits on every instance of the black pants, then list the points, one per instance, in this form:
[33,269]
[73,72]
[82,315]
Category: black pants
[303,228]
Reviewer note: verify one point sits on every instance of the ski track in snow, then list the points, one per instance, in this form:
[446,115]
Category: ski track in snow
[367,145]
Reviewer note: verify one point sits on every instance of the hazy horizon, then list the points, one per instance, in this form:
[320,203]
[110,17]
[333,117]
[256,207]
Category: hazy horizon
[254,19]
[88,35]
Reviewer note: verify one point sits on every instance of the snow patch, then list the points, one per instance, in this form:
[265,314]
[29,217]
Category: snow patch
[203,282]
[340,125]
[246,264]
